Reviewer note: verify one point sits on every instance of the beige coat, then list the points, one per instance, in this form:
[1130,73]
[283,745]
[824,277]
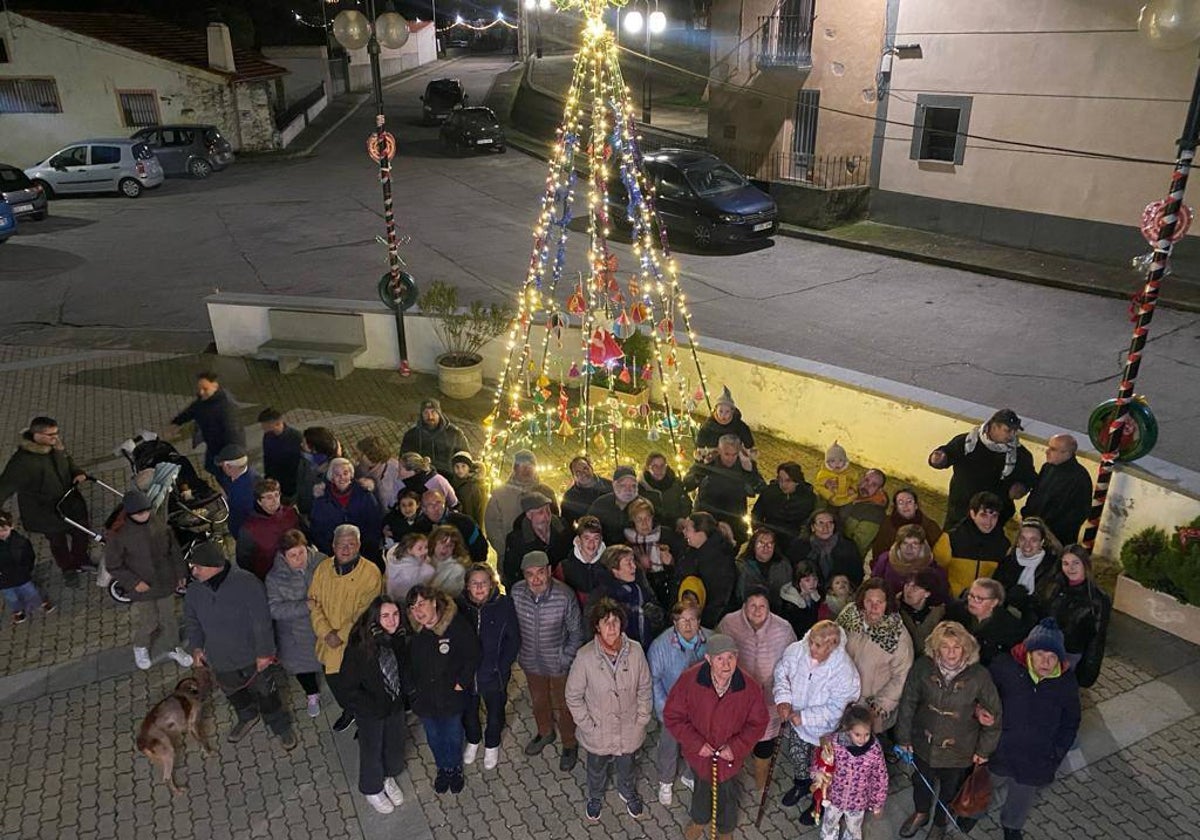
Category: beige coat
[881,674]
[759,652]
[610,704]
[336,602]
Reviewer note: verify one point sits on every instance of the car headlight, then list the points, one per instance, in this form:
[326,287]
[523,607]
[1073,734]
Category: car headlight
[729,218]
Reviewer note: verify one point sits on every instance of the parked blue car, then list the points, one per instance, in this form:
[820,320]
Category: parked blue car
[8,222]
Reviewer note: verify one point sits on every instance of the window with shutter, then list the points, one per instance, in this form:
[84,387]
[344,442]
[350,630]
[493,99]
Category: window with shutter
[138,107]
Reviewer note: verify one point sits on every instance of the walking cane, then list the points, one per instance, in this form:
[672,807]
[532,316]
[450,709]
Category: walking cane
[762,803]
[713,823]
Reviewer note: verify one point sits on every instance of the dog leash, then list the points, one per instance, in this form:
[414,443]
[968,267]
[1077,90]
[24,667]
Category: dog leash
[906,757]
[213,676]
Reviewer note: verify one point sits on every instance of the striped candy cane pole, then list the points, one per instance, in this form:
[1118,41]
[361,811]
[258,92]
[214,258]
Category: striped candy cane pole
[1146,304]
[384,149]
[713,823]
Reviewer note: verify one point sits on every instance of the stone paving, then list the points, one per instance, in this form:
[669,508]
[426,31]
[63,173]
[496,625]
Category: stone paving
[72,699]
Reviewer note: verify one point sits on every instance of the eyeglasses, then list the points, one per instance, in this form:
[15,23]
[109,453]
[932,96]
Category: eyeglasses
[971,596]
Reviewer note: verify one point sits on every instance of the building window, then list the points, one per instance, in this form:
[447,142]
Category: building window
[4,59]
[138,107]
[29,96]
[940,128]
[804,137]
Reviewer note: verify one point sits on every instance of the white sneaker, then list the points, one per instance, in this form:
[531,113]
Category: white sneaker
[314,705]
[469,753]
[380,802]
[491,757]
[665,794]
[393,792]
[182,658]
[687,781]
[141,658]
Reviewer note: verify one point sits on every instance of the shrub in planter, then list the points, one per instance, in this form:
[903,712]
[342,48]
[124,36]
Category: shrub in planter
[1164,562]
[462,333]
[639,351]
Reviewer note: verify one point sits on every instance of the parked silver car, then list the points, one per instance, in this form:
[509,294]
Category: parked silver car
[118,165]
[26,198]
[194,150]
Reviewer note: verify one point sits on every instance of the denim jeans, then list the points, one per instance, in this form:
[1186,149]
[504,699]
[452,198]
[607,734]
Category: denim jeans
[27,594]
[445,737]
[494,700]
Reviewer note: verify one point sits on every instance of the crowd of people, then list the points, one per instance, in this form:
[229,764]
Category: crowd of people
[827,622]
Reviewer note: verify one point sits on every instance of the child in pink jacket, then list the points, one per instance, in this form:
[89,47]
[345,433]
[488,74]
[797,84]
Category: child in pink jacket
[859,780]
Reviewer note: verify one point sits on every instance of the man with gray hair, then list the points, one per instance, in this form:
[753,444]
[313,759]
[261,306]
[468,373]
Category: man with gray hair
[725,481]
[610,508]
[1062,496]
[504,507]
[343,586]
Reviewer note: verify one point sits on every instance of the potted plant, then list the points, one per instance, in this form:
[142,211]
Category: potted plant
[462,333]
[1160,582]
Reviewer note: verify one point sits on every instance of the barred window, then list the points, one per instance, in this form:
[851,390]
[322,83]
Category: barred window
[4,59]
[138,107]
[29,96]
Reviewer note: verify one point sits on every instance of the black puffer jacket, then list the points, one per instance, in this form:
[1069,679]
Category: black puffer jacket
[362,678]
[40,475]
[1082,611]
[495,623]
[438,659]
[437,444]
[16,561]
[714,564]
[784,513]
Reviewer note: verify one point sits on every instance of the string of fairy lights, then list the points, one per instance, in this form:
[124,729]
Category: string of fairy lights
[548,393]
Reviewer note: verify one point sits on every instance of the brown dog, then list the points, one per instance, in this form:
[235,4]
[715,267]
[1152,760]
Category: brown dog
[166,726]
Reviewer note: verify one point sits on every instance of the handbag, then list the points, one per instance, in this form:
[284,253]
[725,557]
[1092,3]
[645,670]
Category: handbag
[975,794]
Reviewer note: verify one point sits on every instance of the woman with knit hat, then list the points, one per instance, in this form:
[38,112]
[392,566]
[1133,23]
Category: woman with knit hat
[1040,701]
[726,419]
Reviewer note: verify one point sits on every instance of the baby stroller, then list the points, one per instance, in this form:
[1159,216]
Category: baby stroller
[193,509]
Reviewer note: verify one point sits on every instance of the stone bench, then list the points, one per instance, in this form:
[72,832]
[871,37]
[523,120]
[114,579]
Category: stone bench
[298,336]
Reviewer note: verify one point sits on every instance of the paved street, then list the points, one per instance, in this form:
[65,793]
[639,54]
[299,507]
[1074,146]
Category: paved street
[102,266]
[71,699]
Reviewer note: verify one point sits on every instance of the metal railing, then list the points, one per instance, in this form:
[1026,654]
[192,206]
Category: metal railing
[818,171]
[785,40]
[284,118]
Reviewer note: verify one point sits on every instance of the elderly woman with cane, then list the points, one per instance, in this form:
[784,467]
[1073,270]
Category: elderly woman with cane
[715,711]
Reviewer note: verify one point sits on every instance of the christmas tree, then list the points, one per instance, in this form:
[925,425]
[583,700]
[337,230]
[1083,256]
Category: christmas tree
[593,356]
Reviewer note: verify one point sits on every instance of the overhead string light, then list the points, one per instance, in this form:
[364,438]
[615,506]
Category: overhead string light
[624,376]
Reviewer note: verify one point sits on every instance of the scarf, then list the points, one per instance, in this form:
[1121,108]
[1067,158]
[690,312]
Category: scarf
[854,749]
[979,435]
[1029,567]
[886,633]
[691,646]
[822,553]
[668,480]
[949,674]
[645,548]
[390,668]
[905,567]
[342,499]
[788,592]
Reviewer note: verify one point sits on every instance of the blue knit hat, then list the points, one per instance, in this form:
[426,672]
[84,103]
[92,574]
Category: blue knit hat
[1046,636]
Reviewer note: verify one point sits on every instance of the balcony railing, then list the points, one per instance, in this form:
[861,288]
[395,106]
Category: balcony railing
[820,171]
[785,41]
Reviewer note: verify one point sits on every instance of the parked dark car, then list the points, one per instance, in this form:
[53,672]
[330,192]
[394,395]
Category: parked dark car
[25,198]
[441,97]
[8,222]
[473,128]
[192,150]
[701,196]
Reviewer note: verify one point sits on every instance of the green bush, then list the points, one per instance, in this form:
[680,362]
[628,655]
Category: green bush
[1157,560]
[639,352]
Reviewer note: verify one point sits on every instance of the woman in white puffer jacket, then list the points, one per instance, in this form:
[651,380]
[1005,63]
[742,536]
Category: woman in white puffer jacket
[814,680]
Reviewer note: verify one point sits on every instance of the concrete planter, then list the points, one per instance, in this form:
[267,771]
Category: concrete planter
[1158,609]
[460,382]
[598,394]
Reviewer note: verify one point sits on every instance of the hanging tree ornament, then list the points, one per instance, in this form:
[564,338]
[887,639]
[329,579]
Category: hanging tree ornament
[623,327]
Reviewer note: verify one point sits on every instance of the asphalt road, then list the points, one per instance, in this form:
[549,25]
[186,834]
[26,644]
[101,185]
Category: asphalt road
[118,270]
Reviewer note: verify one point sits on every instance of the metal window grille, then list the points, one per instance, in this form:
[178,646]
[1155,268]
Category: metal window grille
[804,137]
[29,96]
[138,108]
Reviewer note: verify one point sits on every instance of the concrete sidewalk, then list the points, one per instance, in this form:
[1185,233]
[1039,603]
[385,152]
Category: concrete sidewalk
[73,700]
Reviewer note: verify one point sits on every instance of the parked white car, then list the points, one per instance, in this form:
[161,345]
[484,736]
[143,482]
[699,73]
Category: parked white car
[119,165]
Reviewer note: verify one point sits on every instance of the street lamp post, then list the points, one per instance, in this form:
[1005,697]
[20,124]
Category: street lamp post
[537,7]
[653,24]
[354,30]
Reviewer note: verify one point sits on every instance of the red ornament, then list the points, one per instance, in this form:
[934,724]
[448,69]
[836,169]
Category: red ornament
[604,349]
[389,144]
[1152,221]
[577,302]
[625,376]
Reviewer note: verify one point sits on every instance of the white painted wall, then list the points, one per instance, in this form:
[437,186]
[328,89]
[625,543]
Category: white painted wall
[1073,74]
[88,74]
[419,49]
[881,423]
[308,66]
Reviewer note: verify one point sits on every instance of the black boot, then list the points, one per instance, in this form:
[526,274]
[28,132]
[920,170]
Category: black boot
[806,814]
[1014,834]
[796,793]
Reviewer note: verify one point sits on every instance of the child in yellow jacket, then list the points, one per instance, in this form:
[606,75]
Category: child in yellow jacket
[835,482]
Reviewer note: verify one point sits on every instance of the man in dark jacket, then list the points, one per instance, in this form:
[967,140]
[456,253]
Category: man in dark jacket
[1062,496]
[538,530]
[785,504]
[586,487]
[229,630]
[716,712]
[282,451]
[988,458]
[610,508]
[434,513]
[725,483]
[435,437]
[41,472]
[142,554]
[215,417]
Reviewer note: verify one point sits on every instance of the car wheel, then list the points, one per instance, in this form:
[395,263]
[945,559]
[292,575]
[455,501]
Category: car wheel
[38,217]
[46,188]
[199,168]
[702,234]
[130,188]
[503,149]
